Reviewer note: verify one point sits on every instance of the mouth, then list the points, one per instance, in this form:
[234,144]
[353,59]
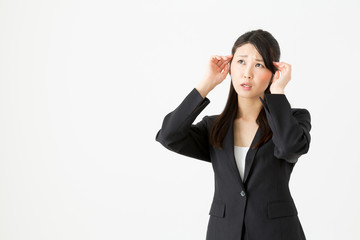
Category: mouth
[246,86]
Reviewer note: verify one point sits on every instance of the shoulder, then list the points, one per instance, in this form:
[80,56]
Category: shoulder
[208,120]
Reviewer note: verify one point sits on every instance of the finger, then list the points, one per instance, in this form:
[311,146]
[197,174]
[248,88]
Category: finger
[280,66]
[225,71]
[276,75]
[218,58]
[283,64]
[278,63]
[215,58]
[284,67]
[222,62]
[225,59]
[225,62]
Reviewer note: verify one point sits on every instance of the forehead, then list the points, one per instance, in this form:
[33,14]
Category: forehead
[248,50]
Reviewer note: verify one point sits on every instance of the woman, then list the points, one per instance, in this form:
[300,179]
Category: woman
[253,144]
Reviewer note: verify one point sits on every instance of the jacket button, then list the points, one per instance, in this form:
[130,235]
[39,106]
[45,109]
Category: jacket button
[242,194]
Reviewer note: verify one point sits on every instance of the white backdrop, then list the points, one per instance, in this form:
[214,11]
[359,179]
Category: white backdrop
[85,85]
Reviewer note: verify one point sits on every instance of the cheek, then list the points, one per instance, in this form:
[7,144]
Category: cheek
[236,72]
[264,77]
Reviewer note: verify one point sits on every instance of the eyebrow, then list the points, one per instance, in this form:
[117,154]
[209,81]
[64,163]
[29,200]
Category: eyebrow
[247,56]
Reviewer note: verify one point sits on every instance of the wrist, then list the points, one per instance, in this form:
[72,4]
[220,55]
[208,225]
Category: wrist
[277,91]
[203,89]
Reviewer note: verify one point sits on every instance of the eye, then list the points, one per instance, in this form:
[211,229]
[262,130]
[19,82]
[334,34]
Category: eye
[241,61]
[260,65]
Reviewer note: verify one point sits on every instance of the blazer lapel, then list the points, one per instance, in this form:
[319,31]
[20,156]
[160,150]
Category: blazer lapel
[249,159]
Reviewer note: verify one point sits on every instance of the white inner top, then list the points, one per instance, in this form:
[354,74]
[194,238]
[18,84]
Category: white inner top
[240,154]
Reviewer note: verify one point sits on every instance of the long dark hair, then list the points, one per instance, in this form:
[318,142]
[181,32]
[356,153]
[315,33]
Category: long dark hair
[269,49]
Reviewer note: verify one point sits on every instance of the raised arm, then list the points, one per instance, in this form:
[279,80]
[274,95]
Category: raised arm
[178,133]
[290,127]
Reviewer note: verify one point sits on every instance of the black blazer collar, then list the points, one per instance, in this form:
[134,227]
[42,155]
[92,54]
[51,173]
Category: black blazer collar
[249,159]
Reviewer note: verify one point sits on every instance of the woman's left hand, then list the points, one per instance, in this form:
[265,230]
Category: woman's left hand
[279,82]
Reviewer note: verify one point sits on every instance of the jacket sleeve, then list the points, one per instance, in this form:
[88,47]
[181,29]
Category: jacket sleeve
[290,127]
[180,135]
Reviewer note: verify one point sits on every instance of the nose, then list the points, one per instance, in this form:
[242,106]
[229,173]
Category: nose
[247,73]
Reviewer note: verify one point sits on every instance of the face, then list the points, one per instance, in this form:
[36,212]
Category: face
[249,75]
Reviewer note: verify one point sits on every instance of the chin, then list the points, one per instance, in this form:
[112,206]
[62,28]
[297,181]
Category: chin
[251,95]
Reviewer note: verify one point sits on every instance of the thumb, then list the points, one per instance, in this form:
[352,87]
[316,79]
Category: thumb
[277,75]
[226,70]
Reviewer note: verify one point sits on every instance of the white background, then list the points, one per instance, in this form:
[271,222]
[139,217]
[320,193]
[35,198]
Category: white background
[85,85]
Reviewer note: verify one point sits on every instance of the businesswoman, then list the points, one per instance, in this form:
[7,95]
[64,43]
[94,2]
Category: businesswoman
[252,145]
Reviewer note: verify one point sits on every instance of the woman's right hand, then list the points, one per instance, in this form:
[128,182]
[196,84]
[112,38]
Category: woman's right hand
[216,71]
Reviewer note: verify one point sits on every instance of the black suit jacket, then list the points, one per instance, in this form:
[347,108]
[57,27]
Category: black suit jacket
[260,207]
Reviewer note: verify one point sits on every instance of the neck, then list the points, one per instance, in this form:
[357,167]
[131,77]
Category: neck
[249,108]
